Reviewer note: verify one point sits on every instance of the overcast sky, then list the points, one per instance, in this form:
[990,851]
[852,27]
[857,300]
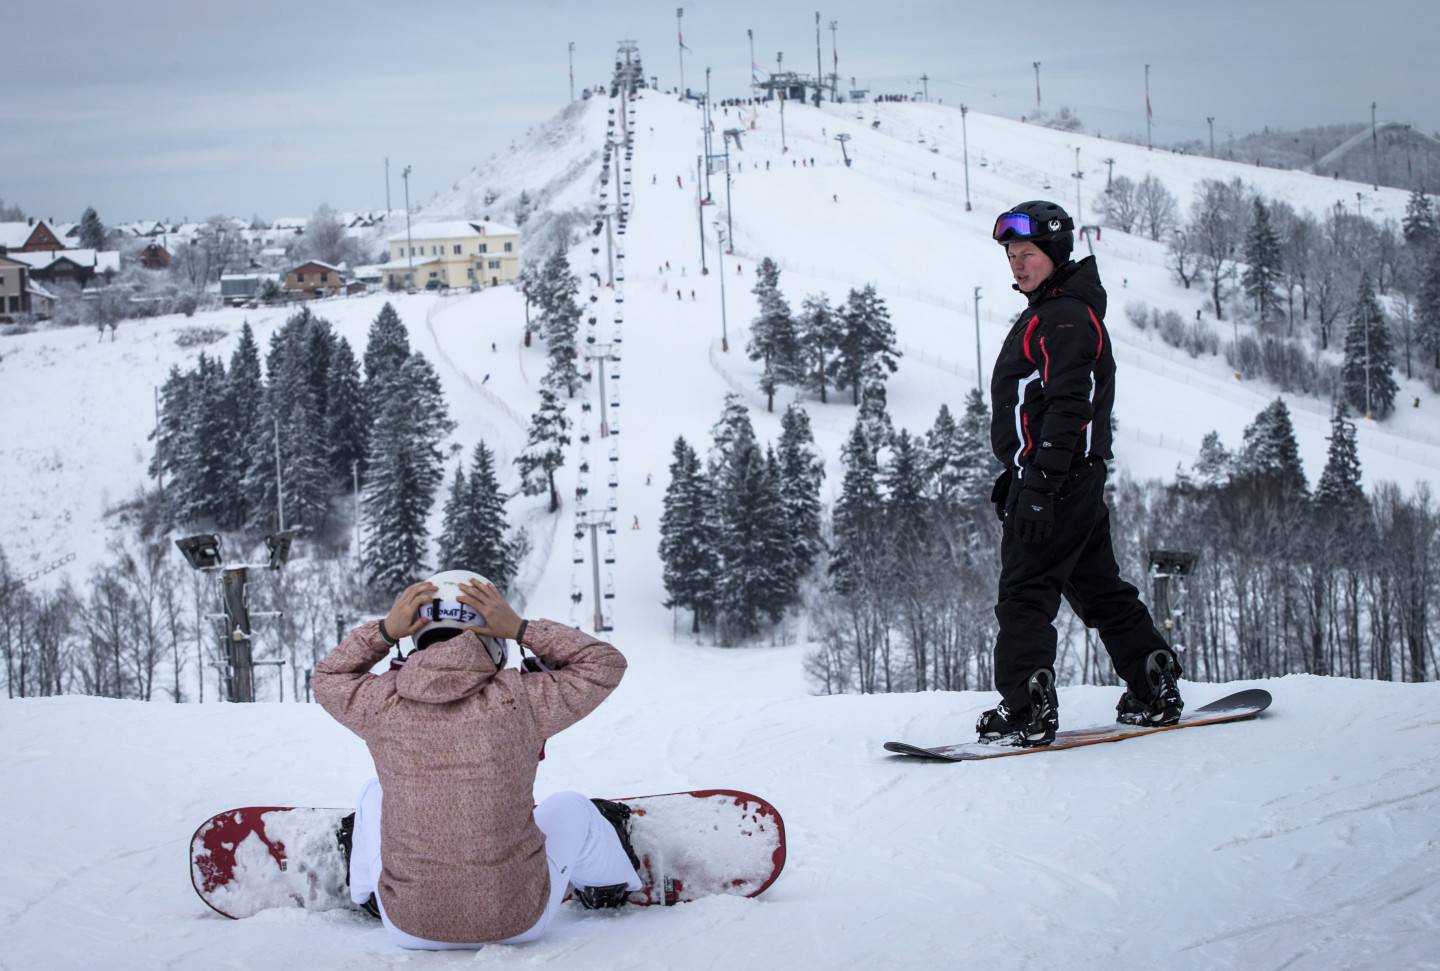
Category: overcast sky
[172,109]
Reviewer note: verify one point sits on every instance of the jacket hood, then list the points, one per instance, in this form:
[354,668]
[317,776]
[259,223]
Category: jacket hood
[446,672]
[1078,279]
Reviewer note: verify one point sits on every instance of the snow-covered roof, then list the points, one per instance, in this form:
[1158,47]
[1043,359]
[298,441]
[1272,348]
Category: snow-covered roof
[370,272]
[104,261]
[249,276]
[454,229]
[273,251]
[292,223]
[39,291]
[15,233]
[405,264]
[320,263]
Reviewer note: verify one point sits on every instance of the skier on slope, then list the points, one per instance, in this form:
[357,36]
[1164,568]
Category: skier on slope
[1051,395]
[448,839]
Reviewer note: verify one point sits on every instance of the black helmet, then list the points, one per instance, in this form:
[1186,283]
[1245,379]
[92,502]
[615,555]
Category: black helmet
[1043,223]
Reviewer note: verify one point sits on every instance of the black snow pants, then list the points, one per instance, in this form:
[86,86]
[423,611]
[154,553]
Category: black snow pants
[1078,563]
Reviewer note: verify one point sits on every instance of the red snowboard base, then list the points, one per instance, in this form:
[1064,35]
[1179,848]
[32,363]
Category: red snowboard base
[691,845]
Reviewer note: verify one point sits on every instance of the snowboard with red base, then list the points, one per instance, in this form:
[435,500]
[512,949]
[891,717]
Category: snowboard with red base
[691,845]
[1237,707]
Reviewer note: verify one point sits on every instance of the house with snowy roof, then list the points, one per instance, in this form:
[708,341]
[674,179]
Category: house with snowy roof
[75,266]
[315,279]
[29,236]
[457,253]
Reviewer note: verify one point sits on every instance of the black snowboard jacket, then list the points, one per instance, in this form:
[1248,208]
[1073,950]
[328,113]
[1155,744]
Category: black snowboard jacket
[1053,387]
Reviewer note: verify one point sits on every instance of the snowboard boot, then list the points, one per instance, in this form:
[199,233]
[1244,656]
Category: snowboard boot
[1030,727]
[345,836]
[1161,703]
[617,814]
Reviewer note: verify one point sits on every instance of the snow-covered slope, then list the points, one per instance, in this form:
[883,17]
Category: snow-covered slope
[1305,839]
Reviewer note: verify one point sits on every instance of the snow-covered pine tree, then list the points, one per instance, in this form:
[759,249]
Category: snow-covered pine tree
[545,448]
[406,468]
[867,351]
[345,432]
[755,576]
[1339,493]
[168,463]
[489,549]
[819,335]
[92,230]
[773,340]
[532,290]
[858,513]
[303,447]
[203,490]
[732,428]
[879,429]
[1270,454]
[1214,465]
[454,525]
[561,312]
[245,396]
[1427,309]
[386,350]
[687,542]
[1368,373]
[906,486]
[1418,226]
[981,464]
[801,472]
[1265,264]
[945,463]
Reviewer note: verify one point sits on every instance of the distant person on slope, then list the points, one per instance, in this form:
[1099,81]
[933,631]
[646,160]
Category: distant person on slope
[1051,395]
[447,845]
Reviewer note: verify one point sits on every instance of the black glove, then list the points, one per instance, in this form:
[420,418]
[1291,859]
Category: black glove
[1035,508]
[1000,492]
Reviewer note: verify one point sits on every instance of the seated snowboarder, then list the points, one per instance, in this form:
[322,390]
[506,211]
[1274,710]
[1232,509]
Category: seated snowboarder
[1051,395]
[448,838]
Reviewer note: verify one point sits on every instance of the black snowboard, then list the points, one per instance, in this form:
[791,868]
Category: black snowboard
[1231,708]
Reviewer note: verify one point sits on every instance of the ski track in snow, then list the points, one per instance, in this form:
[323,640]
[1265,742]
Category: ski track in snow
[1304,839]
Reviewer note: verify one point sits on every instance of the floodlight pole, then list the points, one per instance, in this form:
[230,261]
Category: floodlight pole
[572,70]
[750,33]
[680,40]
[1037,84]
[965,142]
[700,214]
[1210,120]
[779,63]
[979,370]
[409,243]
[724,326]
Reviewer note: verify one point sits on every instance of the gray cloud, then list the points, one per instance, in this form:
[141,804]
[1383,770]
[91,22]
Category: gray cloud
[184,109]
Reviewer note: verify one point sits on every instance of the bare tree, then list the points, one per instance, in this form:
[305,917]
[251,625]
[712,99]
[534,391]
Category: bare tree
[1181,258]
[1121,204]
[1159,212]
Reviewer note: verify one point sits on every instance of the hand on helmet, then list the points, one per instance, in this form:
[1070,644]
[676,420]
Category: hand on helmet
[404,618]
[501,619]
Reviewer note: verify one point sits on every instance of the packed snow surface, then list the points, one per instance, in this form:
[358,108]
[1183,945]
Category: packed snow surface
[1303,839]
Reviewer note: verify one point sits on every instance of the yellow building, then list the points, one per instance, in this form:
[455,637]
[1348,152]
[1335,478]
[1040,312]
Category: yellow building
[461,253]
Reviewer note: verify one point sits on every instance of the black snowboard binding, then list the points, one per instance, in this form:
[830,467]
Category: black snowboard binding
[617,814]
[1161,704]
[1030,727]
[345,836]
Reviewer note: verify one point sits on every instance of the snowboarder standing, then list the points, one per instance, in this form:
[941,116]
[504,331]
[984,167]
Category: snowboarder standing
[1051,396]
[448,839]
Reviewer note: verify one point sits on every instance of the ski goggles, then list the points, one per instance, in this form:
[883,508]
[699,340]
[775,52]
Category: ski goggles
[1019,225]
[436,611]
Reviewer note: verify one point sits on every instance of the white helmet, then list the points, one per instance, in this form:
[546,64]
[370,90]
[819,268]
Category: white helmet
[446,617]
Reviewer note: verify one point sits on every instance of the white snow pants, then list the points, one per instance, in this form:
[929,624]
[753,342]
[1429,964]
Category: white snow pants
[581,848]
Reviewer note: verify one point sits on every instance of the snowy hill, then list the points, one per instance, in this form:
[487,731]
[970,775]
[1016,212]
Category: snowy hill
[1303,839]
